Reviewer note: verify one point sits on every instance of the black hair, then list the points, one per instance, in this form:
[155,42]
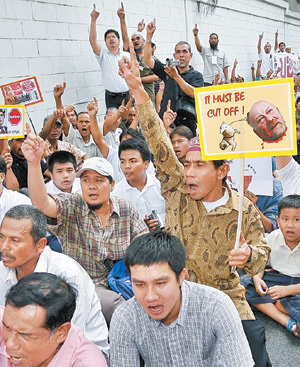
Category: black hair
[133,133]
[3,168]
[156,247]
[81,113]
[184,43]
[297,100]
[3,111]
[136,144]
[111,31]
[289,201]
[214,34]
[38,219]
[61,156]
[182,130]
[48,291]
[281,43]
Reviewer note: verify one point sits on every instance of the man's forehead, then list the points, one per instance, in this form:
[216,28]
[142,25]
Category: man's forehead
[26,318]
[16,226]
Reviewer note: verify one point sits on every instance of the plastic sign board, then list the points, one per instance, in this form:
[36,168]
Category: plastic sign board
[26,90]
[253,119]
[12,121]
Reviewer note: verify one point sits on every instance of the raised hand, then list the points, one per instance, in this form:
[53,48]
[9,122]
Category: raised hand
[129,69]
[151,27]
[171,71]
[169,117]
[58,90]
[94,14]
[33,147]
[92,107]
[141,26]
[261,36]
[121,12]
[59,114]
[122,110]
[10,99]
[195,30]
[69,108]
[8,159]
[235,63]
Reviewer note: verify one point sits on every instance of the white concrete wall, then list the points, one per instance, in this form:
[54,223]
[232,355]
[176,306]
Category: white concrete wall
[49,38]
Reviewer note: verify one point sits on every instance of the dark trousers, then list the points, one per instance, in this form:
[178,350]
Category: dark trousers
[207,84]
[115,99]
[255,333]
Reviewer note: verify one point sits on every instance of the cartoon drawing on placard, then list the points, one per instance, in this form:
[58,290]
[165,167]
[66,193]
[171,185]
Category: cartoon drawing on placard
[3,128]
[266,121]
[228,133]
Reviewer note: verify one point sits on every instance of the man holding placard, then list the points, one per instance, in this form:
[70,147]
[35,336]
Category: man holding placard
[203,213]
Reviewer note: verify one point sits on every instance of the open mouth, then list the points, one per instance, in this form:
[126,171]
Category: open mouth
[16,360]
[192,188]
[155,310]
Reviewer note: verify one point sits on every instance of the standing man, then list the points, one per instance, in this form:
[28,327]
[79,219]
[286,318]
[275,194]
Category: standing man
[115,87]
[203,212]
[215,59]
[95,229]
[172,322]
[179,81]
[265,56]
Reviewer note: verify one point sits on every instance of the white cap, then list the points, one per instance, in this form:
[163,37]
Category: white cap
[100,165]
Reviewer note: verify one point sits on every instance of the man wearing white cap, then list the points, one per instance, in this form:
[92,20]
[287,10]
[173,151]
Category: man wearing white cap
[95,228]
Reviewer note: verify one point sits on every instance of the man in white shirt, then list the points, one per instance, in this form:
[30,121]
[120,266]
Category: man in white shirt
[23,249]
[265,56]
[139,186]
[9,198]
[62,167]
[289,174]
[115,86]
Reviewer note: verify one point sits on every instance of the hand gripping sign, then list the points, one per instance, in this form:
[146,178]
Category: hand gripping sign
[242,120]
[12,121]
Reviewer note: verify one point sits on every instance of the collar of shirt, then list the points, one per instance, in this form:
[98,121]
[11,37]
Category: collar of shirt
[283,244]
[150,182]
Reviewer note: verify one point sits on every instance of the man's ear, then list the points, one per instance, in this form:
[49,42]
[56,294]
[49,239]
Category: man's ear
[223,171]
[182,276]
[61,332]
[112,185]
[41,244]
[146,164]
[2,176]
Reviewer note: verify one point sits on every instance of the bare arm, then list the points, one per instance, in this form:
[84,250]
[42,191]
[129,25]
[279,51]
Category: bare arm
[276,40]
[260,37]
[186,87]
[111,123]
[282,161]
[121,15]
[159,95]
[148,58]
[149,78]
[258,73]
[93,32]
[57,115]
[33,149]
[233,78]
[225,71]
[253,72]
[58,92]
[92,109]
[10,178]
[197,41]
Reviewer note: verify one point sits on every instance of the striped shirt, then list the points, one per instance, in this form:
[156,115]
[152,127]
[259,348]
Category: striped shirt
[208,332]
[80,232]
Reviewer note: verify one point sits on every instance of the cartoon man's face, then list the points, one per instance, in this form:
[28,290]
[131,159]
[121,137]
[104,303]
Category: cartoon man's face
[2,117]
[266,121]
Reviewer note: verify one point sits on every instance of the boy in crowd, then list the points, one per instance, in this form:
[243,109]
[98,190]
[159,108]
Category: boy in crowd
[62,167]
[139,186]
[276,291]
[170,321]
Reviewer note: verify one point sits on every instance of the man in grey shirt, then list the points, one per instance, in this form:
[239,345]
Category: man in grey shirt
[172,322]
[214,58]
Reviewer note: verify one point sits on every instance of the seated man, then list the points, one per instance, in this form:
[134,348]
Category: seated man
[8,198]
[62,167]
[94,228]
[36,326]
[24,251]
[170,321]
[139,186]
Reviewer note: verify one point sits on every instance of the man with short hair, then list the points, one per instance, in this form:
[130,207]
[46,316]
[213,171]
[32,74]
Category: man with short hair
[36,326]
[23,250]
[62,167]
[266,56]
[179,81]
[170,321]
[115,87]
[8,198]
[214,58]
[95,228]
[203,213]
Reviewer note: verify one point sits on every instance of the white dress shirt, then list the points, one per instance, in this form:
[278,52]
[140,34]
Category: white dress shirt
[282,258]
[145,201]
[10,198]
[88,315]
[53,189]
[111,79]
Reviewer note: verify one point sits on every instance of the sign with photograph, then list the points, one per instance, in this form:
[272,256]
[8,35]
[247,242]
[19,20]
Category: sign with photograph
[27,91]
[253,119]
[12,121]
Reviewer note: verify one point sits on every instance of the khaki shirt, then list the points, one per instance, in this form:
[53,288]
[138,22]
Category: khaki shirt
[207,237]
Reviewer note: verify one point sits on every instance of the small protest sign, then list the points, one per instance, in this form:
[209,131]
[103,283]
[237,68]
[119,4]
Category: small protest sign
[251,119]
[12,121]
[27,91]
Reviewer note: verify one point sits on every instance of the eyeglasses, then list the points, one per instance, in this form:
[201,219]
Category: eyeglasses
[57,126]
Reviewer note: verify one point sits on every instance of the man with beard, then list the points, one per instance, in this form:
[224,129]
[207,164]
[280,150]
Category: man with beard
[115,87]
[147,76]
[95,229]
[215,59]
[179,81]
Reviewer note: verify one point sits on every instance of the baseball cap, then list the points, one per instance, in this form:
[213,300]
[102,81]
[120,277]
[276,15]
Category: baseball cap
[100,165]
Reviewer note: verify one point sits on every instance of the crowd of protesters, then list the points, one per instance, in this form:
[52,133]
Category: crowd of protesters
[84,194]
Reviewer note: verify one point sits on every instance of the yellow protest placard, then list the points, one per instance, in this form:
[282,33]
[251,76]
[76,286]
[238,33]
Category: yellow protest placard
[251,119]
